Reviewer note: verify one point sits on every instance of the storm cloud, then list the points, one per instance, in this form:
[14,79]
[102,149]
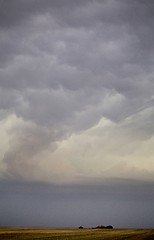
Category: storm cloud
[76,91]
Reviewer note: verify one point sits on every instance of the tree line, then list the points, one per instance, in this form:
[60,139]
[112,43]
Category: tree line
[100,227]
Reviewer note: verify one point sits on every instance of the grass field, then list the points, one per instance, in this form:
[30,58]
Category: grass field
[72,234]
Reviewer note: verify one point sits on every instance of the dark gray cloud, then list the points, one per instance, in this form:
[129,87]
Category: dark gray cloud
[76,99]
[66,64]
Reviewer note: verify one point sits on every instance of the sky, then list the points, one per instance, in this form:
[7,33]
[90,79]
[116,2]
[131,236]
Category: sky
[77,113]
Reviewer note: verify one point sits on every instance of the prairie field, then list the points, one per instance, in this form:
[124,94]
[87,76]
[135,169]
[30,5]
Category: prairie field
[73,234]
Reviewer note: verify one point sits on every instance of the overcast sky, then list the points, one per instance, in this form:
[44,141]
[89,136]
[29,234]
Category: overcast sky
[77,112]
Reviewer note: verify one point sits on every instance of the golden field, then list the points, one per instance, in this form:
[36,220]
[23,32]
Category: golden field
[74,234]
